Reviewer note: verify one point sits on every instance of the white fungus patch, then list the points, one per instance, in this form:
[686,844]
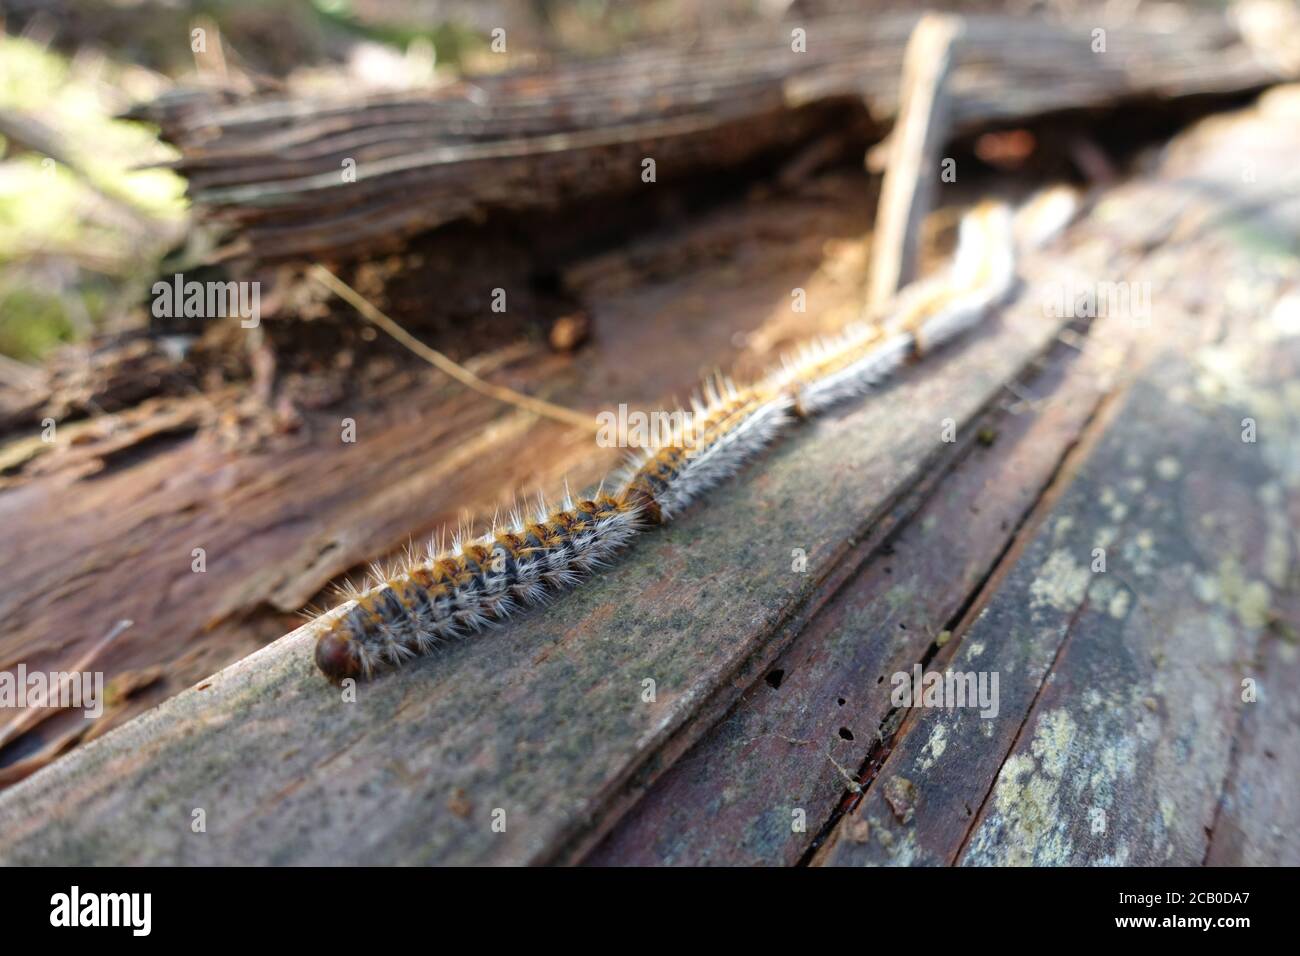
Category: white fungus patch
[1118,604]
[1167,468]
[1061,583]
[935,746]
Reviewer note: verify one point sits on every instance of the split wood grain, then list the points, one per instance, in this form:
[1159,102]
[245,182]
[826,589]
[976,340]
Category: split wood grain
[272,170]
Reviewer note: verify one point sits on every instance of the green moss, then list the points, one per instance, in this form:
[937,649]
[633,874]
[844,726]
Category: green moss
[31,323]
[77,241]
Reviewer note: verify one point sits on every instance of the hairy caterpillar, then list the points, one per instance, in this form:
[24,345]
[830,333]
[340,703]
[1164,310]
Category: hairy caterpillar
[735,423]
[455,591]
[728,427]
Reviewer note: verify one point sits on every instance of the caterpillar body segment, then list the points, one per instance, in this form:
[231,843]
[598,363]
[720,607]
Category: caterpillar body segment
[846,368]
[1045,216]
[461,590]
[722,434]
[651,475]
[982,276]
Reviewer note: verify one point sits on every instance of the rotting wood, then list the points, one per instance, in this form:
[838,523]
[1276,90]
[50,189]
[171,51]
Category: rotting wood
[563,833]
[272,170]
[542,718]
[445,365]
[777,751]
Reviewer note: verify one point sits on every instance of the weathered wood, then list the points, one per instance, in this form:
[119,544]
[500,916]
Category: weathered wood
[93,377]
[1146,699]
[98,530]
[919,132]
[272,169]
[1120,692]
[543,718]
[784,747]
[1255,823]
[731,798]
[1092,778]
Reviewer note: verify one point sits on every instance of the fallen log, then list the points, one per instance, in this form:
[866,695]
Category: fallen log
[531,743]
[291,178]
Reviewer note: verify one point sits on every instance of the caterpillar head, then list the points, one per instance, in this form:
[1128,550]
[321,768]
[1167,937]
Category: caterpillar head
[337,652]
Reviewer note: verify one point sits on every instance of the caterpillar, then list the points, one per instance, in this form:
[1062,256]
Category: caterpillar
[457,591]
[451,592]
[725,429]
[733,424]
